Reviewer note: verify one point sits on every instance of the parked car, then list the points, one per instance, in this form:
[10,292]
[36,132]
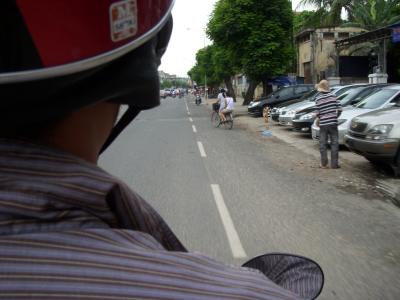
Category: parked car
[303,119]
[341,89]
[275,112]
[376,136]
[386,97]
[286,115]
[282,95]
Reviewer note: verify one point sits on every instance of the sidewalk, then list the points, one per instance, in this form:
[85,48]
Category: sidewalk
[351,162]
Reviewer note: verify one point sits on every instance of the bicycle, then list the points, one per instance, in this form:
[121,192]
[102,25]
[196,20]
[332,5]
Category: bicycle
[216,119]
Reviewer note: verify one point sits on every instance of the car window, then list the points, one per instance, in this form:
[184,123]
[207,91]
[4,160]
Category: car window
[345,89]
[396,100]
[377,99]
[310,94]
[346,98]
[300,89]
[285,92]
[365,94]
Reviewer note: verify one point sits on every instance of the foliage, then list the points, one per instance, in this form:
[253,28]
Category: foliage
[304,19]
[214,63]
[256,37]
[373,14]
[329,11]
[204,68]
[169,83]
[369,14]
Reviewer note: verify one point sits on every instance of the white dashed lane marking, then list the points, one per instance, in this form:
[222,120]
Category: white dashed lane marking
[201,149]
[231,233]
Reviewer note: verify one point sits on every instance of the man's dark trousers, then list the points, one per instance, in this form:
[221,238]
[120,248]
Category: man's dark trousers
[332,132]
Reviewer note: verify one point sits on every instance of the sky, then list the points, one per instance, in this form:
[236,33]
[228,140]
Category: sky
[188,36]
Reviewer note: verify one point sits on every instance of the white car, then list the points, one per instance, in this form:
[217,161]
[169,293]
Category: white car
[386,97]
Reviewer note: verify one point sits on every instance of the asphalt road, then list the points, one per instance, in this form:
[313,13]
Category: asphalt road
[232,195]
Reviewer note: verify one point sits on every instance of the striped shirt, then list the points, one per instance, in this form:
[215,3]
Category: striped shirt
[69,230]
[327,109]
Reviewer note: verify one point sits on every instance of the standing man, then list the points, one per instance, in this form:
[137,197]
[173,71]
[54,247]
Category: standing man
[328,111]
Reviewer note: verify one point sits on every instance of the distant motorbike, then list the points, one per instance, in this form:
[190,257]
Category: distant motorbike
[198,100]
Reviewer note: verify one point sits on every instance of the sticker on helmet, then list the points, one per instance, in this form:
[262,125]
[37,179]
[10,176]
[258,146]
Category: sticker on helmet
[123,20]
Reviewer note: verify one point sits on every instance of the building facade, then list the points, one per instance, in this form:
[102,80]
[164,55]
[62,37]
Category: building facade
[317,57]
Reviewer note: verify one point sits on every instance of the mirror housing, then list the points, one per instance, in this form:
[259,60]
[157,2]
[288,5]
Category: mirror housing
[300,275]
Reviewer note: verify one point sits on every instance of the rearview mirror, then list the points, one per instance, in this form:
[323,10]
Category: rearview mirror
[300,275]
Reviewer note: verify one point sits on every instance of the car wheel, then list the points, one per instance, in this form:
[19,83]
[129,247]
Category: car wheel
[373,161]
[396,167]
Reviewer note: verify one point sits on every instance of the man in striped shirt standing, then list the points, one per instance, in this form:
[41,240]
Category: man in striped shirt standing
[328,111]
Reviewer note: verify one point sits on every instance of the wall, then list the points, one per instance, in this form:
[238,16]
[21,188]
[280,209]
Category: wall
[317,47]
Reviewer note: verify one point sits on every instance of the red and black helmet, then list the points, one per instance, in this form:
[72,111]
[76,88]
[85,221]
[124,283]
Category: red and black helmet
[57,56]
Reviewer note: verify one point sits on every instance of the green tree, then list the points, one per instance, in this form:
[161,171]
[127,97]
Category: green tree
[369,14]
[204,68]
[373,14]
[303,19]
[224,69]
[256,37]
[329,11]
[214,63]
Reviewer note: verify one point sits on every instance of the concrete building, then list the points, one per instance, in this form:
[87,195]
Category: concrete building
[317,57]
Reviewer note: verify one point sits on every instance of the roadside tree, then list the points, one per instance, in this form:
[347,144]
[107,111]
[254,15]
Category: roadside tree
[373,14]
[256,36]
[213,63]
[329,11]
[203,69]
[224,69]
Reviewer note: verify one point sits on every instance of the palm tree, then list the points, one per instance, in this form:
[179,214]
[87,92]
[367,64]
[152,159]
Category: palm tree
[373,14]
[329,11]
[370,14]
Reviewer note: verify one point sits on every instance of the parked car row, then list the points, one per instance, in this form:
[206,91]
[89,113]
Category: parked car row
[282,95]
[369,124]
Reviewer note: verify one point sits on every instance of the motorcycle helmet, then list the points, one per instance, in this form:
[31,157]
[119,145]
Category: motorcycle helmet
[58,56]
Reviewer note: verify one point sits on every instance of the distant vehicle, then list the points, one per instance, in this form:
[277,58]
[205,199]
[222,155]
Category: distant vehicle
[167,93]
[376,136]
[282,95]
[163,94]
[386,97]
[198,99]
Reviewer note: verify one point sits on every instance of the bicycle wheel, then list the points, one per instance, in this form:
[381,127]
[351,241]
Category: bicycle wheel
[215,120]
[228,124]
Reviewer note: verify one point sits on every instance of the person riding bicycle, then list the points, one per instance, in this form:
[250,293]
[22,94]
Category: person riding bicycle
[221,97]
[227,108]
[70,230]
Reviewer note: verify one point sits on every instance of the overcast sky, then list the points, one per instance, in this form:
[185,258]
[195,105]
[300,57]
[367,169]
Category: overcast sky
[188,36]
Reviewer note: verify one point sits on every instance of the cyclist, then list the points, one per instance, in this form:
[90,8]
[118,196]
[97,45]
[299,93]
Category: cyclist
[69,230]
[227,108]
[221,97]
